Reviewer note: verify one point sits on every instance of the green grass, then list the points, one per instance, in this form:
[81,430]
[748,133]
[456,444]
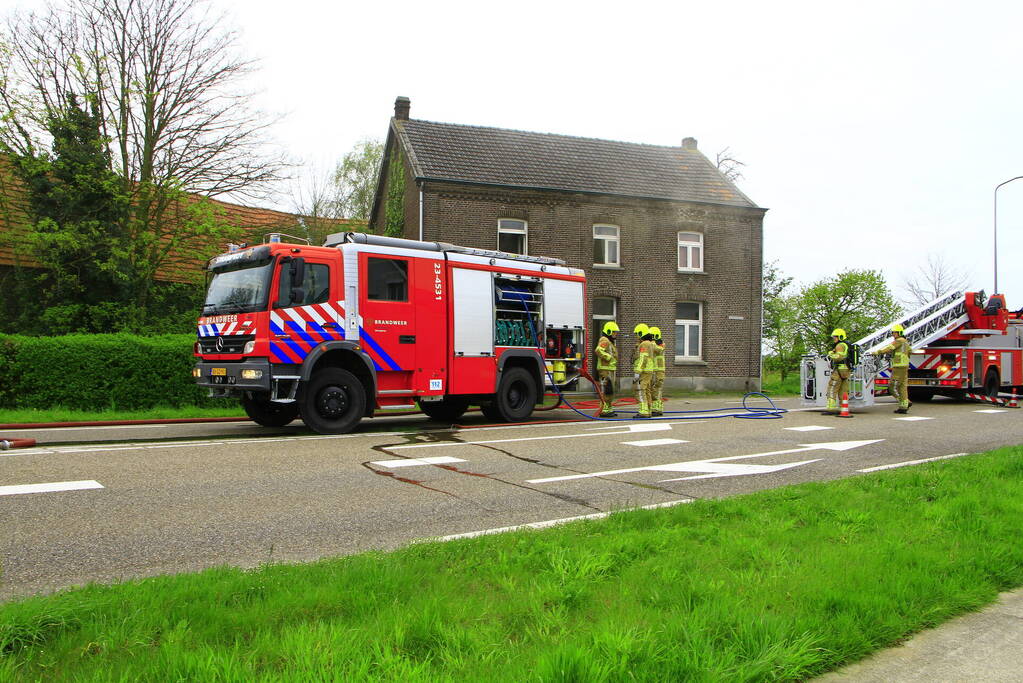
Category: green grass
[30,415]
[774,386]
[779,585]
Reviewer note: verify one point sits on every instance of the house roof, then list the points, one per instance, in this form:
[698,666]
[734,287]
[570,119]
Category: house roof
[513,158]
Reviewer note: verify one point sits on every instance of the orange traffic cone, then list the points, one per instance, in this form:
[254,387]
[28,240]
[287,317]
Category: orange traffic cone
[1013,403]
[845,407]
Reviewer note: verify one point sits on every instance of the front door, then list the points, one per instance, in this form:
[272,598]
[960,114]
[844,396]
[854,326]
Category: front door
[388,331]
[304,316]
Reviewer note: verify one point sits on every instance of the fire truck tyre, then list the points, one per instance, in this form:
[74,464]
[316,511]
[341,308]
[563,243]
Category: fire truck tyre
[516,395]
[991,383]
[920,395]
[334,401]
[451,408]
[490,412]
[264,412]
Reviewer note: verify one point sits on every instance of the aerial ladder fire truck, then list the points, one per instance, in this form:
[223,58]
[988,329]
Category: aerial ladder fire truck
[965,346]
[332,334]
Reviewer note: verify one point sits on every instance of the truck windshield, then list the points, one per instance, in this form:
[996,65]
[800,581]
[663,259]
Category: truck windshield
[240,290]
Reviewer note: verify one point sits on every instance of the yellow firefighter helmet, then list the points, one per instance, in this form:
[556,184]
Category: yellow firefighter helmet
[610,327]
[641,330]
[838,332]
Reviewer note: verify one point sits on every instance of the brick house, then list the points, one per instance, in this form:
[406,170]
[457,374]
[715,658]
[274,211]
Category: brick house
[663,236]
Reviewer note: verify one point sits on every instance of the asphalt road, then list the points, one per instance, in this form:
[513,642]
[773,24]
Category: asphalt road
[112,503]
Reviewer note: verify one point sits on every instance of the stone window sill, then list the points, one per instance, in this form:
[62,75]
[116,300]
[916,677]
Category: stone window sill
[605,266]
[692,272]
[689,361]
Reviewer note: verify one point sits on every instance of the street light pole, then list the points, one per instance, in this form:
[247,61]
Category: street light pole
[996,227]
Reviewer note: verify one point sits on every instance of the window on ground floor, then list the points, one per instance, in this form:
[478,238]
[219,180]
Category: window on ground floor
[688,330]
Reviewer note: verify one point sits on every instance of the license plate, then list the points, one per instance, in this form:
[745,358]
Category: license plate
[219,372]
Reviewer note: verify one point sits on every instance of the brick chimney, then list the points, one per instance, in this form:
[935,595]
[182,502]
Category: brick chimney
[402,106]
[689,143]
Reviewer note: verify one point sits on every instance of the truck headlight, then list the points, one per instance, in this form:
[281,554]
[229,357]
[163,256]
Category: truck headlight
[249,347]
[252,374]
[196,372]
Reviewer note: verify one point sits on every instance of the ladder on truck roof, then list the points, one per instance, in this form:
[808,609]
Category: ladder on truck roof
[925,325]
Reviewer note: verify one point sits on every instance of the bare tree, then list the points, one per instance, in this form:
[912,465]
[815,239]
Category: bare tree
[931,280]
[166,80]
[729,166]
[356,178]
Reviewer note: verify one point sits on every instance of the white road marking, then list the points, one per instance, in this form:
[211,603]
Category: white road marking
[911,462]
[726,469]
[807,428]
[650,426]
[701,466]
[990,410]
[49,488]
[552,522]
[411,462]
[654,442]
[913,418]
[525,438]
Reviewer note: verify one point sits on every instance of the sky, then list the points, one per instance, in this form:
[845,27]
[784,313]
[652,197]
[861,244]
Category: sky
[874,132]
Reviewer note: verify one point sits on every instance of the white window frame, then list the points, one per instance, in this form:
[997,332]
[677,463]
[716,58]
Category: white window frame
[682,328]
[617,239]
[690,244]
[514,230]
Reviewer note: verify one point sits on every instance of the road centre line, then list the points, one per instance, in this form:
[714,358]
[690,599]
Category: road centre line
[482,443]
[552,522]
[410,462]
[994,411]
[911,462]
[653,442]
[49,488]
[808,428]
[914,418]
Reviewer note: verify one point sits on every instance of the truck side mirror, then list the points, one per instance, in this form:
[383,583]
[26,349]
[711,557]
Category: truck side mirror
[297,273]
[297,295]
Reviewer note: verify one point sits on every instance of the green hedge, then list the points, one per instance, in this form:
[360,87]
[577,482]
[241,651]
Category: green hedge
[98,371]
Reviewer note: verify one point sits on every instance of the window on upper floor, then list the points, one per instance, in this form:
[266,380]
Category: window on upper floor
[512,236]
[605,245]
[688,330]
[690,252]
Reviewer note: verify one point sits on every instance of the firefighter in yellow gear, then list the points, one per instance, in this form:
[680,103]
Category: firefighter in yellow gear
[607,365]
[900,350]
[838,385]
[643,368]
[657,385]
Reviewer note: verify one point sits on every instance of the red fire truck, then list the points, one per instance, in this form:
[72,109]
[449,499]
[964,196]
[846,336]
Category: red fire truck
[367,323]
[966,345]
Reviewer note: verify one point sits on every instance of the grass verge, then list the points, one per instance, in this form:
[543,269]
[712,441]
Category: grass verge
[33,415]
[779,585]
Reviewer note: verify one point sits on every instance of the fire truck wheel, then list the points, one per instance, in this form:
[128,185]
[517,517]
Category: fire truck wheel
[264,412]
[451,408]
[334,401]
[991,383]
[516,395]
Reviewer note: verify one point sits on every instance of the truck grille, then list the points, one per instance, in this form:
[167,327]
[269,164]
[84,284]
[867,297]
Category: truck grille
[227,344]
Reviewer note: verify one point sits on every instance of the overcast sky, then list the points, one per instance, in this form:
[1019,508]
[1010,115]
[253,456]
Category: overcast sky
[875,132]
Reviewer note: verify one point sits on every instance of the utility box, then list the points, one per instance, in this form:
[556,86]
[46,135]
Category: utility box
[815,373]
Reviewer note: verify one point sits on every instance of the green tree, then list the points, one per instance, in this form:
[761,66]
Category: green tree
[77,206]
[781,338]
[356,179]
[858,301]
[165,79]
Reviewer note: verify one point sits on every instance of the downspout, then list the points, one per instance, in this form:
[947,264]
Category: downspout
[420,212]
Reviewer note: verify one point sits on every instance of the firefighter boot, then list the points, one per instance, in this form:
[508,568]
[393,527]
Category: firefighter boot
[644,411]
[657,409]
[832,408]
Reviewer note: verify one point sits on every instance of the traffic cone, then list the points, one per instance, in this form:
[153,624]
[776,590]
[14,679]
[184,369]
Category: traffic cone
[1012,402]
[845,407]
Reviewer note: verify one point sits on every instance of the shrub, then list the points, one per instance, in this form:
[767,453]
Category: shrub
[98,371]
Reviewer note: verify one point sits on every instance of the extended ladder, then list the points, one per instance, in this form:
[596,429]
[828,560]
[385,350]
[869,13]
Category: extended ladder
[926,324]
